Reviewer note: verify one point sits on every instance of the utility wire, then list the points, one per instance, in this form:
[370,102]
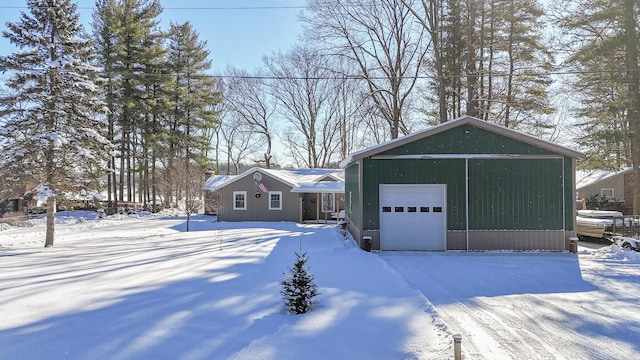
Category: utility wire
[187,8]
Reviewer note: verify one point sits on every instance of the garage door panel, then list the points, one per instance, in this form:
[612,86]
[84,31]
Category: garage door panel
[412,217]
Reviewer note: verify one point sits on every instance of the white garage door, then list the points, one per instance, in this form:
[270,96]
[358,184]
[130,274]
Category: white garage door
[413,217]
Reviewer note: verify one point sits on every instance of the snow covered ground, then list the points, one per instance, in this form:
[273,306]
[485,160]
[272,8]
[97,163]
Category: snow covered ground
[143,288]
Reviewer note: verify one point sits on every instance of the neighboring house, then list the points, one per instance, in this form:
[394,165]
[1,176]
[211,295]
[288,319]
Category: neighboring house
[276,195]
[15,198]
[611,185]
[466,184]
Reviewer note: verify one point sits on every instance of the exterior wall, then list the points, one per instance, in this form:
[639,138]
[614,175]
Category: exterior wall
[522,194]
[613,182]
[353,195]
[553,240]
[467,139]
[450,172]
[258,207]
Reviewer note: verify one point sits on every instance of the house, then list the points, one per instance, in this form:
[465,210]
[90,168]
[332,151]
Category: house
[14,198]
[466,184]
[614,186]
[276,195]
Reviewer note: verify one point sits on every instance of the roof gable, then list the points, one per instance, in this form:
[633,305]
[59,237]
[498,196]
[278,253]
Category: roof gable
[464,135]
[297,179]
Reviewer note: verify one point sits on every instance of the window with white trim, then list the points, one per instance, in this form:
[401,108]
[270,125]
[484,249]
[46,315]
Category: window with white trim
[607,193]
[275,200]
[239,200]
[328,202]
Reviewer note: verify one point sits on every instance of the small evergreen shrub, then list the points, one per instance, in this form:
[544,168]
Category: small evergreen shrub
[298,289]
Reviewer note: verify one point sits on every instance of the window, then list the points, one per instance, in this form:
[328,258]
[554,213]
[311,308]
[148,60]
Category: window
[606,193]
[328,202]
[275,200]
[239,200]
[424,209]
[411,209]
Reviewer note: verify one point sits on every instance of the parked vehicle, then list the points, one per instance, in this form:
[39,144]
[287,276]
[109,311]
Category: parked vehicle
[626,242]
[611,226]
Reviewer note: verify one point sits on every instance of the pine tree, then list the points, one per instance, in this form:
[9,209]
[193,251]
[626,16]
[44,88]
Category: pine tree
[603,41]
[52,130]
[131,55]
[298,289]
[193,100]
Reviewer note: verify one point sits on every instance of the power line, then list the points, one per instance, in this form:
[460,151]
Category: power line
[186,8]
[349,76]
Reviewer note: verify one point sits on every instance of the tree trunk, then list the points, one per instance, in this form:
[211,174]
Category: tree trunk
[471,71]
[51,210]
[633,78]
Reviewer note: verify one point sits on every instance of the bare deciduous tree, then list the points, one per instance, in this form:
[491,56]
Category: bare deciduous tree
[383,40]
[303,87]
[248,98]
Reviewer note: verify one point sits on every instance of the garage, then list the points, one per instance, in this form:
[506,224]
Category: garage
[464,185]
[413,217]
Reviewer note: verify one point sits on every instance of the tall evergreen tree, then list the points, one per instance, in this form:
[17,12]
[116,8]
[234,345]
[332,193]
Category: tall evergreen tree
[193,102]
[594,37]
[131,53]
[52,130]
[602,36]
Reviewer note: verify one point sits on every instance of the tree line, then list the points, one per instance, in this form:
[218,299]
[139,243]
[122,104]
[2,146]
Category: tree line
[135,109]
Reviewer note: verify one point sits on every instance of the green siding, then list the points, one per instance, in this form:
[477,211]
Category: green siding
[352,194]
[569,196]
[523,194]
[450,172]
[504,194]
[466,139]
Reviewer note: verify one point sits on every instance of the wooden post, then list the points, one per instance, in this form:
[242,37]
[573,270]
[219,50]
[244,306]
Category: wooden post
[300,209]
[317,208]
[457,347]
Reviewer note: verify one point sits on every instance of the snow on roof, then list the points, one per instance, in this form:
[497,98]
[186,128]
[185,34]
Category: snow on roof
[300,180]
[320,187]
[590,177]
[217,181]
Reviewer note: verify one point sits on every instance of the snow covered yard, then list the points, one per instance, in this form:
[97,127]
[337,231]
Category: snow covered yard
[143,288]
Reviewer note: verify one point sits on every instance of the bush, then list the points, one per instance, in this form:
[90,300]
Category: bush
[14,219]
[298,289]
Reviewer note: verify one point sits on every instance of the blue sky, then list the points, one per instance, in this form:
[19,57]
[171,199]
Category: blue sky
[238,32]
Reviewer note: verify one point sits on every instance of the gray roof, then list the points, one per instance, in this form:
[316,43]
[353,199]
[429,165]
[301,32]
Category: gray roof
[587,178]
[501,130]
[300,180]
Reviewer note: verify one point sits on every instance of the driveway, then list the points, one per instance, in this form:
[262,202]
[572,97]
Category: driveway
[533,305]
